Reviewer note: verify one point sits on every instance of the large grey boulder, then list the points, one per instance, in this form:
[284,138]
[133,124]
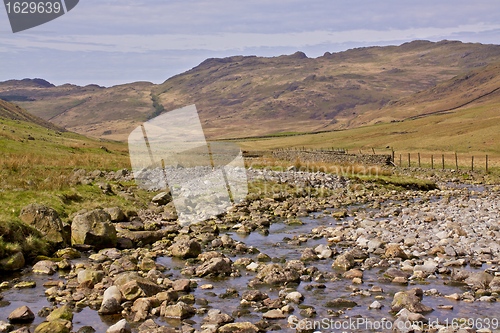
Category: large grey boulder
[46,221]
[93,228]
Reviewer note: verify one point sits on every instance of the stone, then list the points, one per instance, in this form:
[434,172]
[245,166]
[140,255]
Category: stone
[64,312]
[375,305]
[240,327]
[116,214]
[344,261]
[5,327]
[186,249]
[121,326]
[495,284]
[111,301]
[340,303]
[89,277]
[217,317]
[180,310]
[181,285]
[275,274]
[93,228]
[140,309]
[395,251]
[410,300]
[21,330]
[54,326]
[479,280]
[13,262]
[323,251]
[21,315]
[295,297]
[133,286]
[86,329]
[25,285]
[162,198]
[46,220]
[353,273]
[46,267]
[215,266]
[274,314]
[254,295]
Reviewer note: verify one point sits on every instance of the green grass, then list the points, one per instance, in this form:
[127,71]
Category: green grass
[472,131]
[40,171]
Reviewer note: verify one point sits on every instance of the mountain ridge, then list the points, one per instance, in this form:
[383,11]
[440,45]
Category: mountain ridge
[247,95]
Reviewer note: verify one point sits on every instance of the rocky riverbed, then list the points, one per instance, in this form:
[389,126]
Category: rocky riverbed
[318,253]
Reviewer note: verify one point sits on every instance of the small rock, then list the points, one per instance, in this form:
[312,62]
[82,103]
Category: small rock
[22,314]
[376,305]
[295,297]
[274,314]
[46,267]
[120,327]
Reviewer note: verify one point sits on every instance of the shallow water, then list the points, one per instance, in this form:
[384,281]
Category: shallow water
[276,246]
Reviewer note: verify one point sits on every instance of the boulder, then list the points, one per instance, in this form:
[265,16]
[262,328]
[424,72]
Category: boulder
[186,248]
[344,261]
[495,284]
[140,309]
[116,214]
[162,198]
[46,221]
[275,274]
[68,253]
[46,267]
[111,301]
[89,277]
[64,312]
[215,266]
[22,314]
[410,300]
[217,317]
[93,228]
[13,262]
[180,310]
[395,251]
[133,286]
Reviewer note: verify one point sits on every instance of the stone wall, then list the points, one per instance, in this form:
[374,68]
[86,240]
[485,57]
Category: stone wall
[331,157]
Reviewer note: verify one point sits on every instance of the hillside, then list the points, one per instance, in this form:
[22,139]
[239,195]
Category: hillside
[13,112]
[474,88]
[246,95]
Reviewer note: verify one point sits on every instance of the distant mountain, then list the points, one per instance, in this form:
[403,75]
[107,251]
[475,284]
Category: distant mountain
[246,95]
[14,112]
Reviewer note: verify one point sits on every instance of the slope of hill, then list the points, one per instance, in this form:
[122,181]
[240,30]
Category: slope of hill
[474,88]
[244,96]
[14,112]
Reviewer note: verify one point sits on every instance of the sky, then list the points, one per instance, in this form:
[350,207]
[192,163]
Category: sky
[110,42]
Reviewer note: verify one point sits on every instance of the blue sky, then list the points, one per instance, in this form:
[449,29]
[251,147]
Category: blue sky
[110,42]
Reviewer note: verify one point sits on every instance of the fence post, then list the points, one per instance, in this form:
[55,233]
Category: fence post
[486,163]
[456,160]
[419,160]
[393,161]
[432,161]
[400,160]
[472,164]
[373,150]
[442,159]
[409,160]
